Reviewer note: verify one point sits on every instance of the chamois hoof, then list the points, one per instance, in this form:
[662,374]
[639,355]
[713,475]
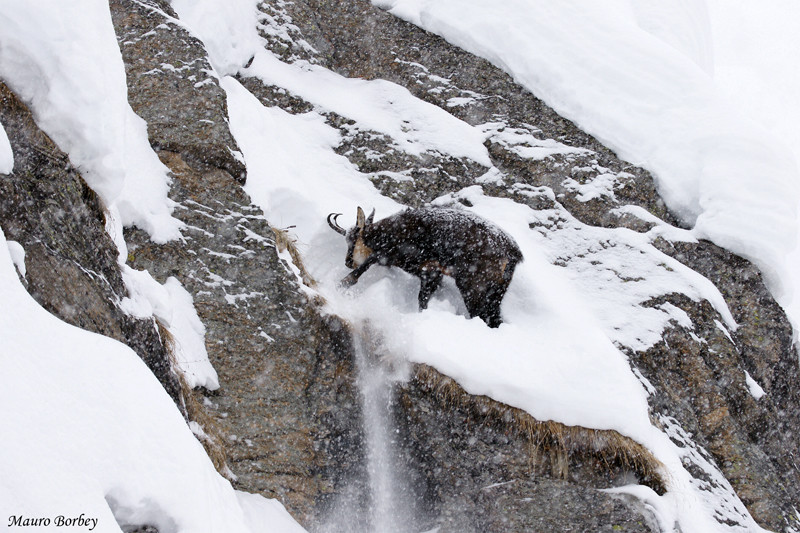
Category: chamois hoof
[347,282]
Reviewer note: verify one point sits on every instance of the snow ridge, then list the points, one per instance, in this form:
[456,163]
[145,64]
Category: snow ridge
[63,60]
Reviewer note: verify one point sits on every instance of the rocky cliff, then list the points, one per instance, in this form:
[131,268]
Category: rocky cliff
[287,420]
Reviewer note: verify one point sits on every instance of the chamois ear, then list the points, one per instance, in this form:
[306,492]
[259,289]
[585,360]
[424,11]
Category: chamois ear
[371,216]
[360,218]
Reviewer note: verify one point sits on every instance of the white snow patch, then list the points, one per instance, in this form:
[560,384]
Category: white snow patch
[147,297]
[189,335]
[173,306]
[17,253]
[752,385]
[524,143]
[660,228]
[228,28]
[724,330]
[653,503]
[6,153]
[266,514]
[598,187]
[379,105]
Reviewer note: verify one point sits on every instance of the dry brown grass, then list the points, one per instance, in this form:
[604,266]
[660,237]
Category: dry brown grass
[557,440]
[285,241]
[210,436]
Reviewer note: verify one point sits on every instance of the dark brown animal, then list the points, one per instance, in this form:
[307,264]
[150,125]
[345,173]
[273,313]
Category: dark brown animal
[432,242]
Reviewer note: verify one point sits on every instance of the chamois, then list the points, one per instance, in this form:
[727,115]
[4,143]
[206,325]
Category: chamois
[432,242]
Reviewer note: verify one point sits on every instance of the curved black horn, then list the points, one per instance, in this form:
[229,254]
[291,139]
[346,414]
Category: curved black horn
[335,225]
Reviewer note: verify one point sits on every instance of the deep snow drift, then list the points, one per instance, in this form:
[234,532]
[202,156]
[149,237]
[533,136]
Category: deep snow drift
[755,47]
[6,156]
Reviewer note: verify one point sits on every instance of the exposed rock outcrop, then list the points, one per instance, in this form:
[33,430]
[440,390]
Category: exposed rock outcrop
[287,408]
[173,87]
[71,262]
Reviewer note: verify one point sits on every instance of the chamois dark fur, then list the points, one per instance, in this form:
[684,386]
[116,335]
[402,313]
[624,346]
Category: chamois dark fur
[432,242]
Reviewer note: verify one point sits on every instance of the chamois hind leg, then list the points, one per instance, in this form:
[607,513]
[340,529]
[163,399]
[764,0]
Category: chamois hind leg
[473,299]
[494,297]
[485,302]
[490,306]
[429,282]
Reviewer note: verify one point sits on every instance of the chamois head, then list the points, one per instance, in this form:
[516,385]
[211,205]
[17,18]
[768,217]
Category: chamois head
[357,251]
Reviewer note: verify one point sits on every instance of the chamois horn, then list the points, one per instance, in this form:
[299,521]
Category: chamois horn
[335,225]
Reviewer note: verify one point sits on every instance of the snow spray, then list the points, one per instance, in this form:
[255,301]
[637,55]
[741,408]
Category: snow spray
[382,502]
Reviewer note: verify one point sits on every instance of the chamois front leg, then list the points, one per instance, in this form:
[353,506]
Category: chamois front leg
[351,279]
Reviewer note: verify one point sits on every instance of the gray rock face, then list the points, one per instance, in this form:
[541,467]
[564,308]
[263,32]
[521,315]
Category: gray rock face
[71,262]
[172,86]
[703,385]
[289,415]
[286,411]
[483,469]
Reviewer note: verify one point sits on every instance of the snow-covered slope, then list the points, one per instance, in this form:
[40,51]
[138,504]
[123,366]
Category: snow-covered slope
[296,177]
[560,355]
[6,155]
[636,85]
[91,433]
